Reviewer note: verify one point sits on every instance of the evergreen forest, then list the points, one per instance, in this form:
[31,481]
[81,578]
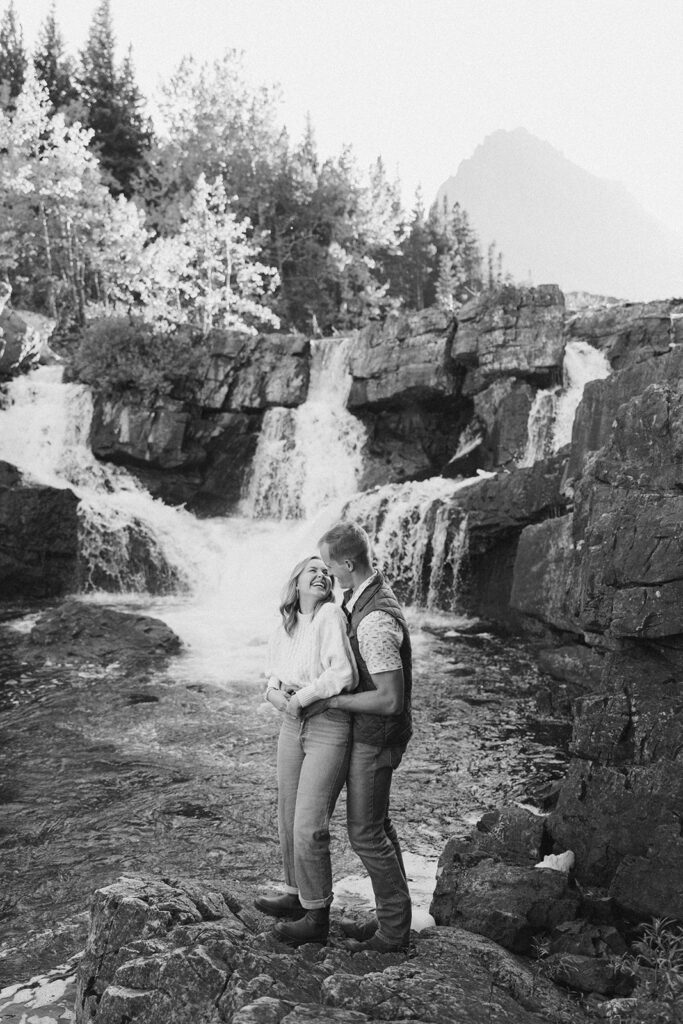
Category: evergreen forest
[210,217]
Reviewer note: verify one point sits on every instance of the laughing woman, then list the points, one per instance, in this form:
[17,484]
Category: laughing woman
[309,660]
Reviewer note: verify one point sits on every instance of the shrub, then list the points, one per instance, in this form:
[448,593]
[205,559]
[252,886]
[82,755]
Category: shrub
[117,353]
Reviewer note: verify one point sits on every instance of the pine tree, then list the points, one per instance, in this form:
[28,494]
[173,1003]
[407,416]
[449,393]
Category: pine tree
[113,104]
[459,267]
[411,270]
[13,59]
[52,66]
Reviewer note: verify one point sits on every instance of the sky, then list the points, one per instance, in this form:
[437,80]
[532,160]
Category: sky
[423,82]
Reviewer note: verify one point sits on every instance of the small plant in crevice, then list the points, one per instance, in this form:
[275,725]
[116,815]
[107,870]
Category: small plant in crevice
[656,962]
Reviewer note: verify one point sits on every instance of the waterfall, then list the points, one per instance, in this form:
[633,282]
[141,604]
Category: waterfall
[551,417]
[220,578]
[310,456]
[420,536]
[127,540]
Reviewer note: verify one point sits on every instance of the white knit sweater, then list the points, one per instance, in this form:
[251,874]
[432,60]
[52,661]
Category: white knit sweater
[316,660]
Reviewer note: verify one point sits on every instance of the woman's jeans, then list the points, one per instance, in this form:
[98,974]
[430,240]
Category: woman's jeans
[374,838]
[312,762]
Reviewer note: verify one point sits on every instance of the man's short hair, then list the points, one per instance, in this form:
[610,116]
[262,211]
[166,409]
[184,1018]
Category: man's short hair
[348,540]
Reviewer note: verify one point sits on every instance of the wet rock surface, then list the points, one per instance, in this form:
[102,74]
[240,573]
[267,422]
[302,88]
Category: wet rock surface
[38,538]
[23,338]
[187,952]
[513,332]
[196,450]
[103,635]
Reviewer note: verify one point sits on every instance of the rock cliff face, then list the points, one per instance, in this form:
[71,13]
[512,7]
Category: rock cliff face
[611,572]
[198,452]
[585,550]
[435,397]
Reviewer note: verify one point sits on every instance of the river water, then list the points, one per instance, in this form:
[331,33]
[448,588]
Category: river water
[170,770]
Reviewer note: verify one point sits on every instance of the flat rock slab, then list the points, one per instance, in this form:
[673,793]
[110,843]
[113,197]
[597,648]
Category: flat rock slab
[105,634]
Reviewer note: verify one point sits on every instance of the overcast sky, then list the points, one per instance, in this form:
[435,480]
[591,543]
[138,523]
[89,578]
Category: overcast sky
[423,82]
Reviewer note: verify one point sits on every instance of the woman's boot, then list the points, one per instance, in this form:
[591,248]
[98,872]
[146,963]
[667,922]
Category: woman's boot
[286,905]
[314,927]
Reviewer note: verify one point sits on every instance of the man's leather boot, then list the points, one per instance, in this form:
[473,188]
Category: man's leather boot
[314,927]
[286,905]
[360,931]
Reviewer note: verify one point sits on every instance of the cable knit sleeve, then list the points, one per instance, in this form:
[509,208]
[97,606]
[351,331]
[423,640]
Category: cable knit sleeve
[337,665]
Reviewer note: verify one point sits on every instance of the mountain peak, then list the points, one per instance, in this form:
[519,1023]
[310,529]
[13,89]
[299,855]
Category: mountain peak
[555,221]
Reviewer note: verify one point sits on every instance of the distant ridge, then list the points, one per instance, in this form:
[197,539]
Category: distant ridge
[556,223]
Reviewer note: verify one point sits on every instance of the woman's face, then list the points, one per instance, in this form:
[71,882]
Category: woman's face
[314,580]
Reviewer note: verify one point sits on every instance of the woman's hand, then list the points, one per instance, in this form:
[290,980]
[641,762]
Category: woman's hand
[277,698]
[293,708]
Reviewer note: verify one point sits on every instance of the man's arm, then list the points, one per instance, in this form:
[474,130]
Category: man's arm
[386,699]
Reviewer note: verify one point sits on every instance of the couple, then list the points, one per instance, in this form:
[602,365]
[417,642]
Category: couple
[330,735]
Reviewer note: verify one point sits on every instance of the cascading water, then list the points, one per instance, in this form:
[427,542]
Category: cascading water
[225,573]
[44,432]
[420,536]
[310,456]
[222,576]
[552,413]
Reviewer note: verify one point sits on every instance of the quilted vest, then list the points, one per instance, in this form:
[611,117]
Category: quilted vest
[381,730]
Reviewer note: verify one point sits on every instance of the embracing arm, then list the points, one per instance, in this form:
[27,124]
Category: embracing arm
[385,699]
[336,658]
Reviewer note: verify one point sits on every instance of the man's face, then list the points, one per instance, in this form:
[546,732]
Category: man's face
[341,570]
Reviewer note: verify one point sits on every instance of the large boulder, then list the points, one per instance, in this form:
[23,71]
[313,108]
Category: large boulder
[103,634]
[23,338]
[248,372]
[488,883]
[496,511]
[38,538]
[511,332]
[502,409]
[541,578]
[134,429]
[406,357]
[405,393]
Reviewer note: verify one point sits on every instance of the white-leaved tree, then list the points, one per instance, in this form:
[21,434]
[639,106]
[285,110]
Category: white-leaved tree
[208,272]
[61,228]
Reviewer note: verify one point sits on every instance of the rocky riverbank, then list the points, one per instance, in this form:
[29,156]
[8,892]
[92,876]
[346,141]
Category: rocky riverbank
[581,551]
[114,764]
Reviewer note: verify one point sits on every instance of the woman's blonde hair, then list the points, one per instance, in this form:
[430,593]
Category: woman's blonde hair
[289,600]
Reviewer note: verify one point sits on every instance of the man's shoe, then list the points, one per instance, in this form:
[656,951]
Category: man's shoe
[286,905]
[361,932]
[314,927]
[376,944]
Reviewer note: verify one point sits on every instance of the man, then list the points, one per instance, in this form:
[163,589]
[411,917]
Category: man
[381,729]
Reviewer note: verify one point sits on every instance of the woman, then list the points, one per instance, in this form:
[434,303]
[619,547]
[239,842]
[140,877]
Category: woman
[309,659]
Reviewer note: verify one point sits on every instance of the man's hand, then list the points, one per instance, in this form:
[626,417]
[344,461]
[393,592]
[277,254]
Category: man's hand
[293,708]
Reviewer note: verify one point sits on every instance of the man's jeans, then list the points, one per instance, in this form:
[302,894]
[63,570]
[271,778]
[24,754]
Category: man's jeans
[374,838]
[312,762]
